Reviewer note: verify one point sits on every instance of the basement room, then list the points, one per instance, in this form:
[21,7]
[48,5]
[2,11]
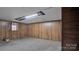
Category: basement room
[30,29]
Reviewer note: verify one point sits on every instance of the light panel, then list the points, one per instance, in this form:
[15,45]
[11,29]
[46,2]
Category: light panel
[31,16]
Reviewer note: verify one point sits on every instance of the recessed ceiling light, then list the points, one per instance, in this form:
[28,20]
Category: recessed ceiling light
[31,16]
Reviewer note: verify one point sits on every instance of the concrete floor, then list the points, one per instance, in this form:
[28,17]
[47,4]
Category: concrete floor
[31,44]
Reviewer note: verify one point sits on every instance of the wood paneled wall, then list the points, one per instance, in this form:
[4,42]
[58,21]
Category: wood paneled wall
[47,30]
[6,30]
[21,31]
[70,28]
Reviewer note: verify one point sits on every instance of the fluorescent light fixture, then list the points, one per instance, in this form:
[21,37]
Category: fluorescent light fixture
[35,15]
[40,13]
[31,16]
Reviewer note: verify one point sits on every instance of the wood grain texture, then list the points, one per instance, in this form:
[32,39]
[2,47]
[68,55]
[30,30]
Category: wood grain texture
[44,30]
[4,30]
[47,30]
[21,31]
[70,33]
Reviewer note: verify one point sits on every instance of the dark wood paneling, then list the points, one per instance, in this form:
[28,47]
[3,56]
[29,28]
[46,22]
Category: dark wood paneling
[70,28]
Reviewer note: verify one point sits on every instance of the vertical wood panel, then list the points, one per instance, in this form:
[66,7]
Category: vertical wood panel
[37,30]
[7,33]
[4,30]
[47,30]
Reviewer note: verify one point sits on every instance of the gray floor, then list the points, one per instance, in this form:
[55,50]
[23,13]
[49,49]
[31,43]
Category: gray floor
[31,44]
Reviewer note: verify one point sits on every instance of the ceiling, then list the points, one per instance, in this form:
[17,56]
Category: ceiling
[10,13]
